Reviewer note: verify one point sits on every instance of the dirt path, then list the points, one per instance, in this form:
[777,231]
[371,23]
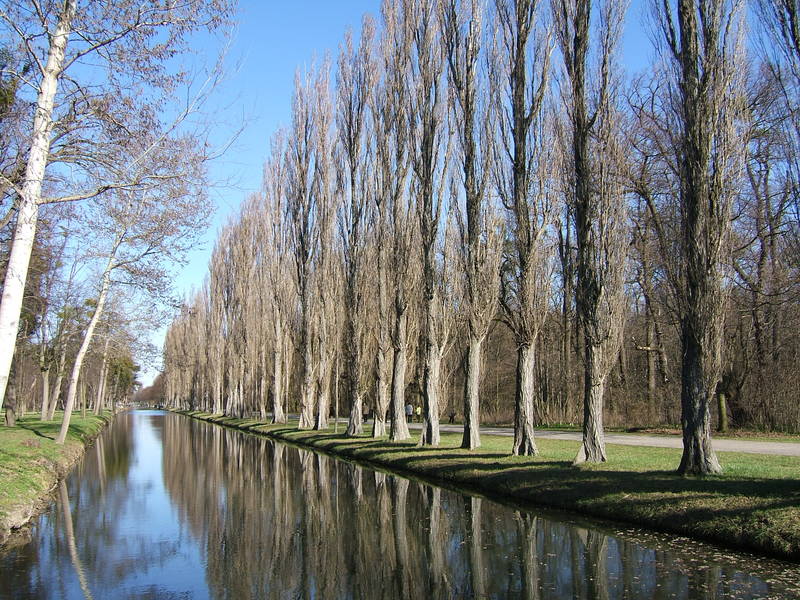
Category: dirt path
[658,441]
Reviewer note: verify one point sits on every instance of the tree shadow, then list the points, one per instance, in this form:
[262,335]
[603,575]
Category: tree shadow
[37,430]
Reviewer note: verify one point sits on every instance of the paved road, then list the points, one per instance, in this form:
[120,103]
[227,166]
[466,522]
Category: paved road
[659,441]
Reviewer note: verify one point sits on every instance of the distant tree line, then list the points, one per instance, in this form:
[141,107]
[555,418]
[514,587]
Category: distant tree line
[483,214]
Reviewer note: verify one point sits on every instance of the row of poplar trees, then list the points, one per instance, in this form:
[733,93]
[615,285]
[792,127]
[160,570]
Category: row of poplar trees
[478,163]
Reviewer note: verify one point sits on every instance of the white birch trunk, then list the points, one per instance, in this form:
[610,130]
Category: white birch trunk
[17,270]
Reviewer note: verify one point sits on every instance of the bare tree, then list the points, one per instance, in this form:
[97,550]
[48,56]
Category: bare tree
[392,197]
[278,279]
[525,172]
[427,123]
[301,211]
[595,191]
[472,110]
[130,44]
[145,231]
[326,288]
[357,76]
[702,48]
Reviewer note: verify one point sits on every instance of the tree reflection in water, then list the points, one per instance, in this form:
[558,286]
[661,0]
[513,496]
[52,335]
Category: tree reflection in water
[379,536]
[241,517]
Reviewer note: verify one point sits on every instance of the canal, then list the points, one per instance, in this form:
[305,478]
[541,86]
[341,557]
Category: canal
[164,506]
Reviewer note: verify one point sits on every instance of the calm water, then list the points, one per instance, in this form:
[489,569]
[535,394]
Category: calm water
[167,507]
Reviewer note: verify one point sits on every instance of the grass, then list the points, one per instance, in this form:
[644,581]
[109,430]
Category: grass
[753,435]
[754,505]
[31,463]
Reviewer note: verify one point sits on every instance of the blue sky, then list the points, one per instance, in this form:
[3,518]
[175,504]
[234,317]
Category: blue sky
[273,39]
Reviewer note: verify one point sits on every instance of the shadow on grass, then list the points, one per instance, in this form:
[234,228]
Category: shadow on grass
[37,430]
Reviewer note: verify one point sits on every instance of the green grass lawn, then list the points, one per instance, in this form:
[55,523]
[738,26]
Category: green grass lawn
[754,505]
[31,462]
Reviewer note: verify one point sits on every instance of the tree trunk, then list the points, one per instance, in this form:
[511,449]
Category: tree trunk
[278,414]
[399,428]
[382,384]
[355,425]
[651,360]
[28,212]
[472,382]
[101,384]
[11,404]
[432,382]
[593,446]
[55,396]
[353,349]
[324,392]
[45,394]
[697,390]
[306,390]
[83,399]
[524,442]
[722,405]
[87,339]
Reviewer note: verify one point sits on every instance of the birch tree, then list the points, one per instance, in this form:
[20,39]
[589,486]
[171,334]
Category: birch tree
[66,45]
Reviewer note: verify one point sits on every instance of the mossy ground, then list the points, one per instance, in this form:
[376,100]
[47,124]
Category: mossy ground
[31,463]
[754,505]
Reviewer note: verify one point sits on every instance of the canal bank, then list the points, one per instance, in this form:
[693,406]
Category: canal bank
[754,506]
[32,464]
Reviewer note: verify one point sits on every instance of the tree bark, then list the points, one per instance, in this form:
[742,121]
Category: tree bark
[524,441]
[278,415]
[399,428]
[45,393]
[19,258]
[432,381]
[722,405]
[55,396]
[324,389]
[593,446]
[697,391]
[101,383]
[306,390]
[382,384]
[472,436]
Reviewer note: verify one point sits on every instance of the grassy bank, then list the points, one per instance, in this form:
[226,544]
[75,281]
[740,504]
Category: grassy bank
[754,505]
[31,463]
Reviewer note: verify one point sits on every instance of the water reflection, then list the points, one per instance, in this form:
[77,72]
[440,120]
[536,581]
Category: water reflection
[170,507]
